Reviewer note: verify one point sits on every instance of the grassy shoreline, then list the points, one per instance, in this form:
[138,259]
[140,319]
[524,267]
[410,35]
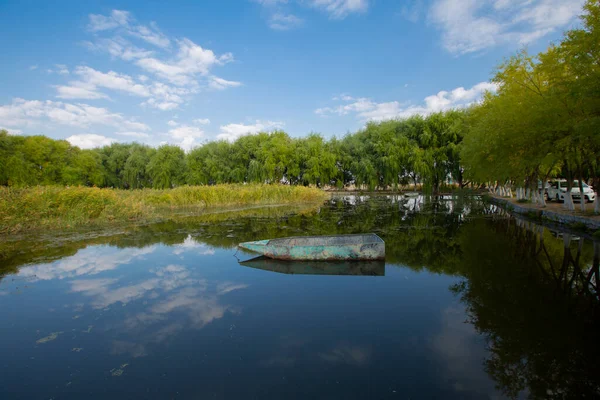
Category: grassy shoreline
[54,207]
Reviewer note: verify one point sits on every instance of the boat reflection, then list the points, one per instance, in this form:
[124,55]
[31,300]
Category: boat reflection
[364,268]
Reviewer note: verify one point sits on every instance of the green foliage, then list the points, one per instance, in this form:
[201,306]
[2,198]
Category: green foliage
[545,117]
[135,173]
[382,155]
[166,167]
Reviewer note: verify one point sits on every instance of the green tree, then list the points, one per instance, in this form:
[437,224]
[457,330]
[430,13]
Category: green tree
[135,174]
[167,167]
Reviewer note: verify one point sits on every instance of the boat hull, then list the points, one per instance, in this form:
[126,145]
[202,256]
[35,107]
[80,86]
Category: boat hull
[324,248]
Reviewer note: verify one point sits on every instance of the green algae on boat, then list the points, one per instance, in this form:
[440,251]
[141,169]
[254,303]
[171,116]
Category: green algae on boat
[321,248]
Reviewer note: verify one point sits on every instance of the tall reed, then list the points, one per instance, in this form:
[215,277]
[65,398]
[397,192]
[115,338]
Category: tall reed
[53,207]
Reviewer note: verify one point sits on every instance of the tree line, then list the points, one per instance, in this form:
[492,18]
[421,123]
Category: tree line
[382,155]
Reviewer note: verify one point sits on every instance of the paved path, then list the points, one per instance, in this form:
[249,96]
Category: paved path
[553,211]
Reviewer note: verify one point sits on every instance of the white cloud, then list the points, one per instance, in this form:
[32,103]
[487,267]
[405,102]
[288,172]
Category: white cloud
[160,95]
[389,110]
[231,132]
[78,91]
[168,93]
[115,19]
[339,9]
[188,67]
[185,136]
[474,25]
[112,80]
[151,35]
[133,134]
[357,105]
[172,123]
[161,105]
[26,113]
[284,22]
[60,69]
[278,18]
[118,47]
[367,110]
[11,131]
[165,97]
[33,67]
[184,131]
[89,140]
[221,84]
[202,121]
[123,21]
[190,60]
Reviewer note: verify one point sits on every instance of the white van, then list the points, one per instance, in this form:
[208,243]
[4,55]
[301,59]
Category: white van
[557,189]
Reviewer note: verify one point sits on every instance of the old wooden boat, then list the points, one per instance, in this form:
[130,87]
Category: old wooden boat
[316,248]
[353,268]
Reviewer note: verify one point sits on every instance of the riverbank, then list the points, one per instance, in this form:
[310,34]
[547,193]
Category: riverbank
[553,212]
[54,207]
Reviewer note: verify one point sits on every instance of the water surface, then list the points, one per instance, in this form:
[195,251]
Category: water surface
[470,304]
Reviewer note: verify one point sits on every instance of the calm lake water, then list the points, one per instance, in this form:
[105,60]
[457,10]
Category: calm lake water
[470,304]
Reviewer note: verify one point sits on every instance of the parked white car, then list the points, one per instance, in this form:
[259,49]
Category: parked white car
[558,188]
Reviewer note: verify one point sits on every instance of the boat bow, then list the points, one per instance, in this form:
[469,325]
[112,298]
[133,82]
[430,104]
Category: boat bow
[257,246]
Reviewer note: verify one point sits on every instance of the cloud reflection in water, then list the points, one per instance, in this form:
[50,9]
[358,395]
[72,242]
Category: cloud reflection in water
[166,300]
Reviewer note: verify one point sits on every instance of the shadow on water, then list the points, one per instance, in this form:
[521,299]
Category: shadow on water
[358,268]
[531,292]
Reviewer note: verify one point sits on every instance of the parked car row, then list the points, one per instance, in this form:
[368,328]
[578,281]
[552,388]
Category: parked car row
[557,189]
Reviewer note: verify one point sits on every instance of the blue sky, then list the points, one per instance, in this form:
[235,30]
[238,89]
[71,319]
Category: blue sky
[185,72]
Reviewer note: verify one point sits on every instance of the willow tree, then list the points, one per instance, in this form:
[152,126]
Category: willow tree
[167,167]
[14,168]
[272,158]
[317,161]
[135,173]
[114,157]
[84,168]
[210,163]
[387,149]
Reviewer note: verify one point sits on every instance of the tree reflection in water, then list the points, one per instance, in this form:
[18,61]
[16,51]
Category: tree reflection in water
[535,298]
[531,292]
